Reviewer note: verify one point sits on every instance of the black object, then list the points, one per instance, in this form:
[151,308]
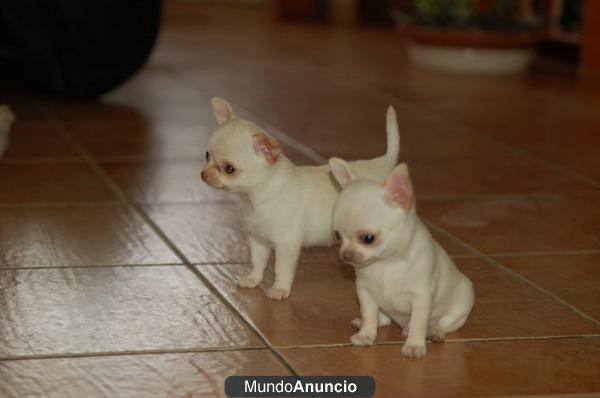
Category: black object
[304,10]
[76,49]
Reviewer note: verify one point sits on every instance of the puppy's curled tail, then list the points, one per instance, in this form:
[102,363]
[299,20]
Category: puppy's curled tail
[393,138]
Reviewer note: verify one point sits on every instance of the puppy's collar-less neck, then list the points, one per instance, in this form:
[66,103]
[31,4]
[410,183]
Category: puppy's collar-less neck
[408,234]
[273,182]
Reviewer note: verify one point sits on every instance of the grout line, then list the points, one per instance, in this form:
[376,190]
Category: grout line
[217,202]
[450,341]
[161,234]
[115,203]
[35,205]
[311,260]
[45,267]
[525,338]
[548,253]
[512,273]
[507,195]
[128,353]
[41,160]
[260,348]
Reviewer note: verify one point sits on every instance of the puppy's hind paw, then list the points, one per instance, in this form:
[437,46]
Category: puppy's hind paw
[436,335]
[359,339]
[356,323]
[277,293]
[248,282]
[414,351]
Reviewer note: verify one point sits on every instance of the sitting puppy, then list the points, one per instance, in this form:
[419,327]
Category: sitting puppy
[401,272]
[285,206]
[7,118]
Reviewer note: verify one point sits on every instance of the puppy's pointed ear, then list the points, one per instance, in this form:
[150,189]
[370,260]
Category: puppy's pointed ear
[267,146]
[222,110]
[399,189]
[341,171]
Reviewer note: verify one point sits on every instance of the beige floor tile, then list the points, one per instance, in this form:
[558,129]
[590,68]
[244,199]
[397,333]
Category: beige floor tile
[83,310]
[53,182]
[520,224]
[77,236]
[520,368]
[195,375]
[323,302]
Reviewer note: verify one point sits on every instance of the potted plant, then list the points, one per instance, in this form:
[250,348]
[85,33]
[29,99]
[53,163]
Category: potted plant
[473,36]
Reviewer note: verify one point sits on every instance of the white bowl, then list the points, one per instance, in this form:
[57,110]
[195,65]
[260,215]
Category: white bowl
[468,60]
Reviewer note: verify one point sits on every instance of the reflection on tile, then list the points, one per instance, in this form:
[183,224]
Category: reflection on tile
[204,233]
[574,279]
[73,310]
[323,298]
[520,224]
[526,367]
[194,375]
[54,182]
[164,181]
[77,236]
[141,138]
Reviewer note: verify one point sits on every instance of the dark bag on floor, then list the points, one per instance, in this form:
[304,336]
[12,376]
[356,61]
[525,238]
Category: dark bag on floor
[76,49]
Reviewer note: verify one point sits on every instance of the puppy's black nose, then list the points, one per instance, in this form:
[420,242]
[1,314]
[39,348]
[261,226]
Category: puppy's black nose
[347,256]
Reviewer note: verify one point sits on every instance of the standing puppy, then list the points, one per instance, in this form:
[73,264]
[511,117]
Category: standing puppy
[401,272]
[285,206]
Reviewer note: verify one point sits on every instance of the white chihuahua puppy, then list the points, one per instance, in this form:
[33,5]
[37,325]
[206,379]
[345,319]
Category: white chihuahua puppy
[7,117]
[285,207]
[401,272]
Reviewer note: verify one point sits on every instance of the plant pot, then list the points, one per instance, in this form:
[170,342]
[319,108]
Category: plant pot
[472,51]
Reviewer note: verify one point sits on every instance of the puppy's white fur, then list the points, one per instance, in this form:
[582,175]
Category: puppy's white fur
[401,272]
[7,117]
[285,207]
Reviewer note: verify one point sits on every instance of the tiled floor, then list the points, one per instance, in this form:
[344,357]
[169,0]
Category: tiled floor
[117,265]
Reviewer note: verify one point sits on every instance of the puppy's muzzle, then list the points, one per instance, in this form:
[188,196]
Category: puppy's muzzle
[209,176]
[347,256]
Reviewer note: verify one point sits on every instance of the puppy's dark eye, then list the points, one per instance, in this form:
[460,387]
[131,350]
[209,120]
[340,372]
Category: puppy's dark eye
[229,169]
[207,156]
[337,235]
[367,239]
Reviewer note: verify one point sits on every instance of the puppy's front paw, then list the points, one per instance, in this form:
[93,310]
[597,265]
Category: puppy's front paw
[356,323]
[278,293]
[248,282]
[359,339]
[414,350]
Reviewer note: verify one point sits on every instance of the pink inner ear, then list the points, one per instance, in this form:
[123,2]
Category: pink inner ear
[222,110]
[261,145]
[399,190]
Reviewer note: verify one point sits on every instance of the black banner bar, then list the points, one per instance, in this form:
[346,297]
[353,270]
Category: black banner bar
[299,386]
